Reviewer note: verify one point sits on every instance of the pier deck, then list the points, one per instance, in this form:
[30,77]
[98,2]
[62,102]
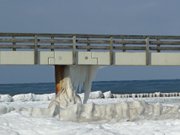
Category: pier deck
[88,49]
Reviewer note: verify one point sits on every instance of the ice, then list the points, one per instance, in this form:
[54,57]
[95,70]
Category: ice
[136,110]
[75,78]
[107,94]
[17,123]
[33,97]
[81,78]
[97,109]
[5,109]
[5,98]
[23,97]
[44,97]
[93,95]
[96,94]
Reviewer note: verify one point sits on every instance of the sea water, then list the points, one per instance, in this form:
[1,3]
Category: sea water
[118,87]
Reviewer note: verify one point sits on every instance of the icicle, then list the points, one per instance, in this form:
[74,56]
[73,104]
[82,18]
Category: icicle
[76,78]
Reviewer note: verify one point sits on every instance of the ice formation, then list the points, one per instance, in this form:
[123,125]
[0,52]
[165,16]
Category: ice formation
[128,111]
[76,78]
[109,109]
[67,105]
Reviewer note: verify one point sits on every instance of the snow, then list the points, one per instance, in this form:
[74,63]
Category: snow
[50,126]
[93,95]
[107,94]
[14,121]
[33,97]
[5,98]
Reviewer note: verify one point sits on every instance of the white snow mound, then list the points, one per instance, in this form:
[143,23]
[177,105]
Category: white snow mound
[128,111]
[5,109]
[107,94]
[33,97]
[5,98]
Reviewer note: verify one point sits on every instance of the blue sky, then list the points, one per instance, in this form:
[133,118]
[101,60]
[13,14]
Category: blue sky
[95,17]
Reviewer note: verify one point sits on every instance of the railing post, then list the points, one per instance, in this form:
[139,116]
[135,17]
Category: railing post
[158,46]
[147,52]
[52,43]
[14,43]
[74,50]
[88,45]
[123,46]
[111,51]
[35,49]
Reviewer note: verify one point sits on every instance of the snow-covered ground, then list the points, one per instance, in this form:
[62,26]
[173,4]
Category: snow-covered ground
[13,122]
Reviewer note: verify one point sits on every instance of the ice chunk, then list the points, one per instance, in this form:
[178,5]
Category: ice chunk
[5,98]
[107,94]
[96,94]
[23,97]
[5,109]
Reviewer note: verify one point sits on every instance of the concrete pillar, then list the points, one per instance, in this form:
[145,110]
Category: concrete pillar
[59,75]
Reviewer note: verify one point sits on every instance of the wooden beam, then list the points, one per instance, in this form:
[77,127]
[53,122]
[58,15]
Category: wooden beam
[35,50]
[147,52]
[89,41]
[89,35]
[76,42]
[111,51]
[14,43]
[59,76]
[74,49]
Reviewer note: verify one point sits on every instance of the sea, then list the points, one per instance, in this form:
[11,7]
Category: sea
[117,87]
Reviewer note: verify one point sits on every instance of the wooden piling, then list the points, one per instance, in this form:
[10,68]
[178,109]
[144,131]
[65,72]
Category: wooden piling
[59,75]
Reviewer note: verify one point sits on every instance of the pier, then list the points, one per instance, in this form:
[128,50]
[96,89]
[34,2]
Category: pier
[60,50]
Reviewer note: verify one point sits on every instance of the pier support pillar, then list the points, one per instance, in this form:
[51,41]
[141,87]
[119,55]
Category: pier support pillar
[59,76]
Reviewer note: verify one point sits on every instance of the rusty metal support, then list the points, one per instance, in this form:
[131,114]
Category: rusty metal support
[59,76]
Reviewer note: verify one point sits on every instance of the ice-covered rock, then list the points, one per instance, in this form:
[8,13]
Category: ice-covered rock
[23,97]
[43,97]
[5,109]
[107,94]
[96,94]
[121,111]
[131,110]
[5,98]
[93,95]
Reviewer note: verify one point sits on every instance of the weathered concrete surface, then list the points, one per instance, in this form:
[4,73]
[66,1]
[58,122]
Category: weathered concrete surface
[89,58]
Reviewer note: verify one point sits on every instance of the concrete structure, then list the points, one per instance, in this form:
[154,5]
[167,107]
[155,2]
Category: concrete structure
[86,49]
[88,58]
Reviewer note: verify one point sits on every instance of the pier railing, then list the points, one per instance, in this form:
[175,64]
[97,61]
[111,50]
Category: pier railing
[88,49]
[89,42]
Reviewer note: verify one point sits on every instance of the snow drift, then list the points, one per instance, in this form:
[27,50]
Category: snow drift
[67,104]
[100,109]
[124,111]
[26,97]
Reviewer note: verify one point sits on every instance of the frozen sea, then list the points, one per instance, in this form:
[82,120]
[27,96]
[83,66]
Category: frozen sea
[16,123]
[13,122]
